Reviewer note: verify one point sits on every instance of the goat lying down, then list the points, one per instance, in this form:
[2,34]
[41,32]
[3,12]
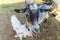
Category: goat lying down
[21,29]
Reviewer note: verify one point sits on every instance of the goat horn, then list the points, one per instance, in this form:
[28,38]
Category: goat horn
[28,2]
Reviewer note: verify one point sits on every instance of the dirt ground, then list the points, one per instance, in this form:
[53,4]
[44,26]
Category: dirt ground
[50,30]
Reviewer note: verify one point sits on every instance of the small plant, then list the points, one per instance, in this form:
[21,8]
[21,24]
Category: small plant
[48,1]
[5,5]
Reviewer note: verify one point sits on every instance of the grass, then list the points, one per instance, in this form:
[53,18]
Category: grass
[6,5]
[9,5]
[50,27]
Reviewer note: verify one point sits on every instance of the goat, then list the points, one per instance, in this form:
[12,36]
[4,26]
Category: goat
[35,16]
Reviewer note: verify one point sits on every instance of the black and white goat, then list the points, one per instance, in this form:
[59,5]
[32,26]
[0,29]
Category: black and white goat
[34,16]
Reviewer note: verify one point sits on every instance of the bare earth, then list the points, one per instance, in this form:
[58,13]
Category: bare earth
[50,30]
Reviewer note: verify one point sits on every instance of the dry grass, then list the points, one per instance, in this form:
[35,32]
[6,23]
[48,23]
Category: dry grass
[16,1]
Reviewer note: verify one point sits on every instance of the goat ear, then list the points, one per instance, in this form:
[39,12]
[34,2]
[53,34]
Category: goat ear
[28,2]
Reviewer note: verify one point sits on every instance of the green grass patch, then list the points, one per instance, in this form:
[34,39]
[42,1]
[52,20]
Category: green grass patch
[6,5]
[9,5]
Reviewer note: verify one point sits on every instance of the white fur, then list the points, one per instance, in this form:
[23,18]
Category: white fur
[42,16]
[20,29]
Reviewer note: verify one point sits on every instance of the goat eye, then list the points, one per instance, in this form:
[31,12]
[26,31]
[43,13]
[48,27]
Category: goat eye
[28,29]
